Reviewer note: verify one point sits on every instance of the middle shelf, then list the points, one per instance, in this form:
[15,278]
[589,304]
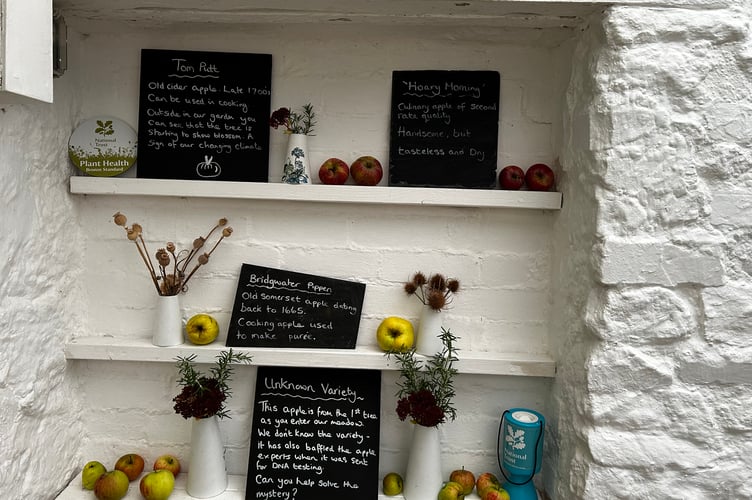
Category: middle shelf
[362,357]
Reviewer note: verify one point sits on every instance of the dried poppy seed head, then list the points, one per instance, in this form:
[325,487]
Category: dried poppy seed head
[222,222]
[226,232]
[132,234]
[203,258]
[163,258]
[198,242]
[120,219]
[170,247]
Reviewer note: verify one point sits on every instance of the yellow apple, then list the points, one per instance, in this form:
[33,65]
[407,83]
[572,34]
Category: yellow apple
[392,484]
[91,472]
[395,334]
[111,485]
[451,491]
[157,485]
[202,329]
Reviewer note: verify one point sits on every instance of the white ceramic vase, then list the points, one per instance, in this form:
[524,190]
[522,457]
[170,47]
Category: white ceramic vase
[207,474]
[297,169]
[428,340]
[168,328]
[423,478]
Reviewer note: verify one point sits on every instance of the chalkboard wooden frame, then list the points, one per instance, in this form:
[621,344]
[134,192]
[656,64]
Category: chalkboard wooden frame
[444,128]
[279,308]
[315,434]
[204,115]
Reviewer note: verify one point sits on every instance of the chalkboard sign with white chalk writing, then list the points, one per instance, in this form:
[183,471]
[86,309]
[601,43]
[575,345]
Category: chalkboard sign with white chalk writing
[277,308]
[444,128]
[315,434]
[204,115]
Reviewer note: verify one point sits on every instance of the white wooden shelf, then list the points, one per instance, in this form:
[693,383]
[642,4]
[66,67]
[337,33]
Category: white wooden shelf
[362,357]
[235,490]
[448,197]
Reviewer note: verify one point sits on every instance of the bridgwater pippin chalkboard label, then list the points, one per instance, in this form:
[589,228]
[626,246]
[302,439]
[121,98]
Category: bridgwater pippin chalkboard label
[444,128]
[204,115]
[315,434]
[276,308]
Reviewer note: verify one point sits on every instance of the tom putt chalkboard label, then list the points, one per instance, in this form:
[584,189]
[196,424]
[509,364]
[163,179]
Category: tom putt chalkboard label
[204,115]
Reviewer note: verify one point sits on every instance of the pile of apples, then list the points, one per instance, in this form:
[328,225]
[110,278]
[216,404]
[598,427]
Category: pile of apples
[462,482]
[538,177]
[113,485]
[365,171]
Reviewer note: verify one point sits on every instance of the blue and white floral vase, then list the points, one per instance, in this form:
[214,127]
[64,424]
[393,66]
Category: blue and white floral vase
[297,169]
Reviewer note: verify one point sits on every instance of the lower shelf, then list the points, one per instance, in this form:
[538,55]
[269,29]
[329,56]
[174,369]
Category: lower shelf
[235,491]
[363,357]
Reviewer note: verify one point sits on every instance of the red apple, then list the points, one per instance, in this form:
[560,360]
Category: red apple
[168,462]
[366,171]
[132,464]
[511,177]
[333,171]
[112,485]
[495,493]
[485,481]
[539,177]
[465,478]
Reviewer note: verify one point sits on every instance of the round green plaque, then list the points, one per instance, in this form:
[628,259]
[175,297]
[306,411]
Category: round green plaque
[103,147]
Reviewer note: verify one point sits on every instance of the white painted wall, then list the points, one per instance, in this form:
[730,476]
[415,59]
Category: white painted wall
[640,286]
[502,257]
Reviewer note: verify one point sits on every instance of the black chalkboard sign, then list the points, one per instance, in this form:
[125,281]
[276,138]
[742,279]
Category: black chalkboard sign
[204,115]
[444,128]
[276,308]
[315,434]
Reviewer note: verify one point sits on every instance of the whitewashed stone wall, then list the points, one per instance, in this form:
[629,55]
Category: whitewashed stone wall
[40,269]
[656,239]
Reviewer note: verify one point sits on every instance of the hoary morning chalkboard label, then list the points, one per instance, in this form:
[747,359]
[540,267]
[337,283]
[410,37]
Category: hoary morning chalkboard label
[276,308]
[204,115]
[315,434]
[444,128]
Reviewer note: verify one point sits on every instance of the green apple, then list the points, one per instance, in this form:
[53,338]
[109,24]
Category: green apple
[451,491]
[395,334]
[91,472]
[392,484]
[465,478]
[157,485]
[112,485]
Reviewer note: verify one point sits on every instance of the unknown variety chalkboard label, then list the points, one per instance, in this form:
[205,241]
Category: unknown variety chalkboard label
[315,434]
[278,308]
[444,128]
[204,115]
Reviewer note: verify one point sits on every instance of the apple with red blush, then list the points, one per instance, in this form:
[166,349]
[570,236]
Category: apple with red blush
[539,177]
[366,171]
[334,171]
[511,177]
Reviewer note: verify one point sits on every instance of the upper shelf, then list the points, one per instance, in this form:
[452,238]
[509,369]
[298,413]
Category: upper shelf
[362,357]
[481,198]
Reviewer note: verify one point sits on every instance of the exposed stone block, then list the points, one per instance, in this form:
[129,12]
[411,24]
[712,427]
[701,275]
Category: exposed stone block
[659,263]
[732,209]
[623,368]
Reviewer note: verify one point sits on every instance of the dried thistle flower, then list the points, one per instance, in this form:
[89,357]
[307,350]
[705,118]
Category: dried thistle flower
[435,292]
[170,276]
